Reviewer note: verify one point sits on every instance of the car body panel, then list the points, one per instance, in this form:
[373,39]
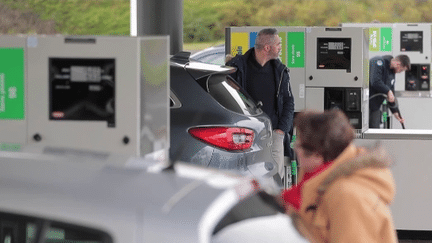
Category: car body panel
[130,204]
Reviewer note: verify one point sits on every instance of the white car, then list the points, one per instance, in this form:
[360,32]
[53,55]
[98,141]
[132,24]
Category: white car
[67,197]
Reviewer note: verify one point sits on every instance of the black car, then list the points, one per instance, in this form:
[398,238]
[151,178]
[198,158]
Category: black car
[214,123]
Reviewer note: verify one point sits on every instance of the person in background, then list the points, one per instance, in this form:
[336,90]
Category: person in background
[382,70]
[344,191]
[267,79]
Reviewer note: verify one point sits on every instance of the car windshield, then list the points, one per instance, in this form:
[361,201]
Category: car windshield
[230,95]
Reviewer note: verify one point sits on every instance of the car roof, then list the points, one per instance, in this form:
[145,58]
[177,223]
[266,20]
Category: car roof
[102,195]
[198,69]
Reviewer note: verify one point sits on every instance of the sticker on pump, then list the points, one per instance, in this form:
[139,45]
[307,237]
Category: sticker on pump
[58,114]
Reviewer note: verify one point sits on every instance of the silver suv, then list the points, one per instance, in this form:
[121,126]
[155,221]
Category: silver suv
[103,198]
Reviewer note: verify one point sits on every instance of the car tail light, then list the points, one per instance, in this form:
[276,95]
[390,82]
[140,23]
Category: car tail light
[228,138]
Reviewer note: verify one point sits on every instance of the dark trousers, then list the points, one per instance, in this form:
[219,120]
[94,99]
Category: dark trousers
[375,119]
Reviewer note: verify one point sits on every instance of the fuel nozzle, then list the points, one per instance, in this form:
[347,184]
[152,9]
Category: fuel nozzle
[395,108]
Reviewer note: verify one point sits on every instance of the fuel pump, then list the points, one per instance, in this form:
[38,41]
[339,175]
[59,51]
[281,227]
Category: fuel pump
[336,71]
[85,94]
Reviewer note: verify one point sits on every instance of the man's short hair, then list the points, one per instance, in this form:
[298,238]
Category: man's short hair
[265,37]
[327,133]
[405,61]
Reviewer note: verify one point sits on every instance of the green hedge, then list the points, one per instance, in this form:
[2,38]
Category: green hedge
[205,20]
[81,17]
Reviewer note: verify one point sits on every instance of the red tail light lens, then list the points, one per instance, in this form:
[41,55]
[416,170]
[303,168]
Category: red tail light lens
[228,138]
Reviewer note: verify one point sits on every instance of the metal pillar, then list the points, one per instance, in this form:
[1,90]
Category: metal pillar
[160,17]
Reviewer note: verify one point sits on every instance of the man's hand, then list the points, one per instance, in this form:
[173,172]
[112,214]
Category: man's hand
[279,131]
[390,97]
[398,117]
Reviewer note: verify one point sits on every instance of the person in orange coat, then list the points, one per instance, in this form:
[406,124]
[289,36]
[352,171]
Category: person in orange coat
[344,191]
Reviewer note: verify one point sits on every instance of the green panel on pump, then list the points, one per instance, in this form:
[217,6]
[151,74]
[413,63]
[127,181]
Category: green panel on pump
[296,49]
[12,83]
[386,39]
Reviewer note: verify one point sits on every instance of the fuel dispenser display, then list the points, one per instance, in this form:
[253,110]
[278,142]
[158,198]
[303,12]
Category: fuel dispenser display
[82,89]
[411,41]
[334,53]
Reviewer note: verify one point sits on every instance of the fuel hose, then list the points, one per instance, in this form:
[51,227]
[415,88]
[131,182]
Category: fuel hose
[394,107]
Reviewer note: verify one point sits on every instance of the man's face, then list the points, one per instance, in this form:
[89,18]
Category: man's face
[398,67]
[275,47]
[309,161]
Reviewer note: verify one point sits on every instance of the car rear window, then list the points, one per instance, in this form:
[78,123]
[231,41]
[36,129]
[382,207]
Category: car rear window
[229,94]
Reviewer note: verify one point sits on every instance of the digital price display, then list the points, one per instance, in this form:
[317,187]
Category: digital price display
[412,41]
[334,53]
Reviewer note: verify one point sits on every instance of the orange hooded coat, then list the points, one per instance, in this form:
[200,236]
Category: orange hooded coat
[349,200]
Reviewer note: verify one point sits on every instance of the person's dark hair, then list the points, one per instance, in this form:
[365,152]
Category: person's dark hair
[264,37]
[405,61]
[327,133]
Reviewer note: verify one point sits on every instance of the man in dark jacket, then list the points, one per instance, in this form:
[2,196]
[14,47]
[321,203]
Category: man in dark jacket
[266,79]
[382,70]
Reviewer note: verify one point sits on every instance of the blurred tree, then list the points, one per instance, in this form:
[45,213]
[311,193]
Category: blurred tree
[236,13]
[412,15]
[357,12]
[312,12]
[276,15]
[383,13]
[426,11]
